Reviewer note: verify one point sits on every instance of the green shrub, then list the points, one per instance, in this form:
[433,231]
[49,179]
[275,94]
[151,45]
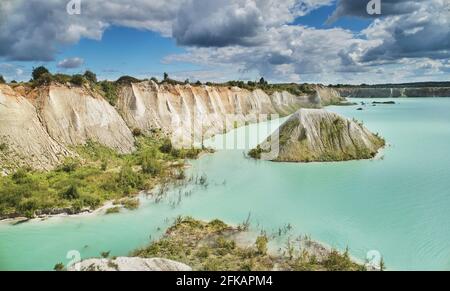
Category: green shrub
[59,267]
[2,80]
[150,164]
[127,80]
[71,193]
[203,252]
[129,181]
[137,132]
[90,76]
[77,80]
[113,210]
[256,153]
[261,244]
[3,147]
[166,146]
[19,177]
[227,245]
[131,204]
[69,165]
[44,79]
[191,153]
[337,262]
[91,201]
[39,72]
[104,165]
[109,92]
[62,78]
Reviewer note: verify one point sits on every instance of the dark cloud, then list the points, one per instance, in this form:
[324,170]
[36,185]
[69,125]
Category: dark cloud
[422,34]
[35,30]
[358,8]
[220,23]
[242,35]
[71,63]
[217,23]
[28,34]
[276,58]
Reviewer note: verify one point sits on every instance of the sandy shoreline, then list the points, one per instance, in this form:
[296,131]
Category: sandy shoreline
[19,220]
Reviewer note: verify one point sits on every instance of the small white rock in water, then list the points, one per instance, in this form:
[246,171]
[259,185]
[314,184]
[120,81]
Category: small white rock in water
[129,264]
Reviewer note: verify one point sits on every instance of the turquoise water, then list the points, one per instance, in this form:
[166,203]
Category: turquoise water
[398,206]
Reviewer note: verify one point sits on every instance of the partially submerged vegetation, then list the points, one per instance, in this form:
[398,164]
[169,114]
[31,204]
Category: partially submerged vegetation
[212,247]
[85,182]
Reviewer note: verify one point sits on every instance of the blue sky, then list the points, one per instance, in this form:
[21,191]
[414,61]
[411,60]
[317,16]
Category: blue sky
[318,18]
[127,51]
[284,41]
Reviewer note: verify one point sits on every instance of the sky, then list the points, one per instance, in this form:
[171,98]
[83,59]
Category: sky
[304,41]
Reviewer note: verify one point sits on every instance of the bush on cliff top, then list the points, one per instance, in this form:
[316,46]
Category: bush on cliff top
[39,72]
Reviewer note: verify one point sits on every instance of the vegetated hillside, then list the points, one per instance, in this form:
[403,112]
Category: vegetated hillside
[315,135]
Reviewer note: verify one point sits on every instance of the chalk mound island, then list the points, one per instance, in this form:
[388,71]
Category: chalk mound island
[130,264]
[316,135]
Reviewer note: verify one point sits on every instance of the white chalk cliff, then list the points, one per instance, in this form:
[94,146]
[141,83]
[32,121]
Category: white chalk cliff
[40,126]
[189,113]
[75,115]
[24,141]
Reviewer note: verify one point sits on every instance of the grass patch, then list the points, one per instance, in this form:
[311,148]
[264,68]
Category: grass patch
[113,210]
[98,175]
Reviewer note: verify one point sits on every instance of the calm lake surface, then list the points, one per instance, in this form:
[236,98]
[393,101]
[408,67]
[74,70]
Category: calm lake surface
[398,206]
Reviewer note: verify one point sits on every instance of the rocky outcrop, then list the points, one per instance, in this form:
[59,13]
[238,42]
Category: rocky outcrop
[316,135]
[129,264]
[23,139]
[192,113]
[75,115]
[394,92]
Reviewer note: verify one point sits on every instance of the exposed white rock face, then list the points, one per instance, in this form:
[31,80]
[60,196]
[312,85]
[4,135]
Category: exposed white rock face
[38,127]
[74,115]
[25,142]
[318,135]
[129,264]
[189,114]
[327,96]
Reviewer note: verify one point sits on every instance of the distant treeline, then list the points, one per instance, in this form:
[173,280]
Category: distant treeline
[41,76]
[401,85]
